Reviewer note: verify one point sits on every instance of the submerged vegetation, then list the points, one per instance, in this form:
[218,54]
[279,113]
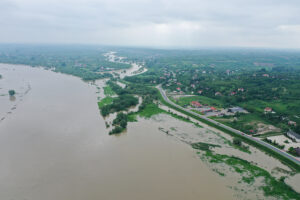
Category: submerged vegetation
[124,100]
[203,146]
[249,171]
[120,123]
[120,103]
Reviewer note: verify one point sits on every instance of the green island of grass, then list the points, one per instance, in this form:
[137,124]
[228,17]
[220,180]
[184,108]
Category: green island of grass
[105,101]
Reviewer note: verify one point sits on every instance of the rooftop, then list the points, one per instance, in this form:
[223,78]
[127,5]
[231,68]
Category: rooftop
[296,135]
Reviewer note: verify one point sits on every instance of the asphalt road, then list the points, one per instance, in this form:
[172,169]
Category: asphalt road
[283,153]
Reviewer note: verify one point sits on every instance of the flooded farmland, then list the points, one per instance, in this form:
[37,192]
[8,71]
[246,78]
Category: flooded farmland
[54,145]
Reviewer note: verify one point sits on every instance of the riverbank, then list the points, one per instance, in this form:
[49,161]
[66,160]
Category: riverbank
[231,160]
[56,146]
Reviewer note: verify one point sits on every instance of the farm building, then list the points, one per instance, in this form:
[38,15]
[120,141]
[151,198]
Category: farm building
[293,135]
[237,110]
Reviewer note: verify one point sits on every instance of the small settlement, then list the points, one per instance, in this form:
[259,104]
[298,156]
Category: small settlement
[288,141]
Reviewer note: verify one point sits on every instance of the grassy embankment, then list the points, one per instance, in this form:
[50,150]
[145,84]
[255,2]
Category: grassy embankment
[285,160]
[272,186]
[269,134]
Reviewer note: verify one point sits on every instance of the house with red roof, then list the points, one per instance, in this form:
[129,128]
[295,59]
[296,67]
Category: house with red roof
[268,109]
[213,108]
[196,104]
[266,75]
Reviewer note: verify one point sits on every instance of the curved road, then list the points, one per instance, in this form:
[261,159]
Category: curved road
[283,153]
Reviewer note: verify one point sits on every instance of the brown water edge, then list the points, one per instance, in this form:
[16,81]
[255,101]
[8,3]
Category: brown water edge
[54,145]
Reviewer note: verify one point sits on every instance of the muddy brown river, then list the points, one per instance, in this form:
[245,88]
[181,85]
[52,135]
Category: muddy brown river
[54,146]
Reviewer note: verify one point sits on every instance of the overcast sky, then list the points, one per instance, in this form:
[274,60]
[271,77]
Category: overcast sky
[166,23]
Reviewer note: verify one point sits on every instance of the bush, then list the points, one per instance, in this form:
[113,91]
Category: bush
[237,141]
[11,92]
[121,120]
[116,130]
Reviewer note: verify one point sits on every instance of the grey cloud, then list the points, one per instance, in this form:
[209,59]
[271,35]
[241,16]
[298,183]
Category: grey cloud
[147,22]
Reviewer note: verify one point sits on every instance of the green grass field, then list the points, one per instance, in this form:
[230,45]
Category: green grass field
[291,107]
[108,91]
[105,101]
[147,112]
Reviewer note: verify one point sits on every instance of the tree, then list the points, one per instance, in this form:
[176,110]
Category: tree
[105,110]
[123,124]
[116,130]
[121,120]
[11,92]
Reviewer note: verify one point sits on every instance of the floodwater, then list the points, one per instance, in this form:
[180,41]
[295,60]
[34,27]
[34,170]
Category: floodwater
[54,145]
[135,68]
[184,132]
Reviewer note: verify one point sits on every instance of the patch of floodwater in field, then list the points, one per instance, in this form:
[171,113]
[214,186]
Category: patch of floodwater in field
[294,182]
[135,69]
[110,118]
[189,133]
[55,146]
[122,85]
[10,81]
[99,88]
[214,136]
[136,107]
